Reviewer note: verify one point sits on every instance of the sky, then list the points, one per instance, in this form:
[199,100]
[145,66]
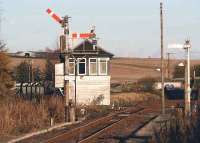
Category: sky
[126,28]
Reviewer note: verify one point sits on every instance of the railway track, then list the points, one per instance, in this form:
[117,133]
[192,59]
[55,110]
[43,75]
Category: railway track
[122,130]
[93,131]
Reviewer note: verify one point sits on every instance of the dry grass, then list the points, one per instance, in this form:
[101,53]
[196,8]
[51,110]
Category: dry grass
[180,130]
[19,116]
[132,98]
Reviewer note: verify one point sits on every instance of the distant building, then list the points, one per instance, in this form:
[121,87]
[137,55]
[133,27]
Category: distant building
[89,74]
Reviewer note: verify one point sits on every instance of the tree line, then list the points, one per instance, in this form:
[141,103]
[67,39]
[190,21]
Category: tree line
[25,72]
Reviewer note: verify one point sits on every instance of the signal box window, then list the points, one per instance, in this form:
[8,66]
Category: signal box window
[93,66]
[103,66]
[82,66]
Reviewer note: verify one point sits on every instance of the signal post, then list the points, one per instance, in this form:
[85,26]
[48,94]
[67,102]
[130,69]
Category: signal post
[186,46]
[65,53]
[64,57]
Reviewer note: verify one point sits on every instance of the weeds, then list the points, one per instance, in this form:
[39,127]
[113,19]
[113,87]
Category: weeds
[95,111]
[19,116]
[130,99]
[180,130]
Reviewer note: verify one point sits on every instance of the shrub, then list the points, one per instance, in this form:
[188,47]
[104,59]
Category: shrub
[130,99]
[180,130]
[19,116]
[146,84]
[5,73]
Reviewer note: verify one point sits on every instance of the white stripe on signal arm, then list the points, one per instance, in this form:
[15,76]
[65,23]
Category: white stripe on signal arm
[51,13]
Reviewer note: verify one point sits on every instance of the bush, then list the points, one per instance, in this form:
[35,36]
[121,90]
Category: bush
[146,84]
[94,111]
[130,99]
[5,73]
[180,130]
[19,116]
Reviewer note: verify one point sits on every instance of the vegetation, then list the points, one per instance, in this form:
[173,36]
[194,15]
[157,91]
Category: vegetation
[147,83]
[22,73]
[130,99]
[180,130]
[5,73]
[49,70]
[37,75]
[17,115]
[95,111]
[49,77]
[25,73]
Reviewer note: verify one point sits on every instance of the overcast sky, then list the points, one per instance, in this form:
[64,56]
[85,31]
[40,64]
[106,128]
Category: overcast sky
[125,27]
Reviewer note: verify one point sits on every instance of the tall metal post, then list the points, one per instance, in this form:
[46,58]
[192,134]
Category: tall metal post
[162,58]
[187,47]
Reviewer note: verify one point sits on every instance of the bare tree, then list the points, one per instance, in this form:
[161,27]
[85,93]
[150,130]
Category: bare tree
[5,73]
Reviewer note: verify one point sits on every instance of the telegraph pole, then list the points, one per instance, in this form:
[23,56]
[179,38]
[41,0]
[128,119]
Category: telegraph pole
[162,57]
[187,47]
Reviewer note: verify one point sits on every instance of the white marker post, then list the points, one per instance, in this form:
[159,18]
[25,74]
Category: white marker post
[187,47]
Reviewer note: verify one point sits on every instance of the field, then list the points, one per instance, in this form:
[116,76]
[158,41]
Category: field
[122,69]
[132,69]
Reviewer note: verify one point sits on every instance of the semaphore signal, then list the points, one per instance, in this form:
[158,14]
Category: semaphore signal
[54,16]
[82,35]
[74,35]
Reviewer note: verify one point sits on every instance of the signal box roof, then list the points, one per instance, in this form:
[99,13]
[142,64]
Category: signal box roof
[87,48]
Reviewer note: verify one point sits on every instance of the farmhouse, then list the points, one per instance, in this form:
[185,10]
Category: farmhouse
[89,74]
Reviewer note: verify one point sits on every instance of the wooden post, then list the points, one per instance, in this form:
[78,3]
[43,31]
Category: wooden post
[66,89]
[51,121]
[72,112]
[68,107]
